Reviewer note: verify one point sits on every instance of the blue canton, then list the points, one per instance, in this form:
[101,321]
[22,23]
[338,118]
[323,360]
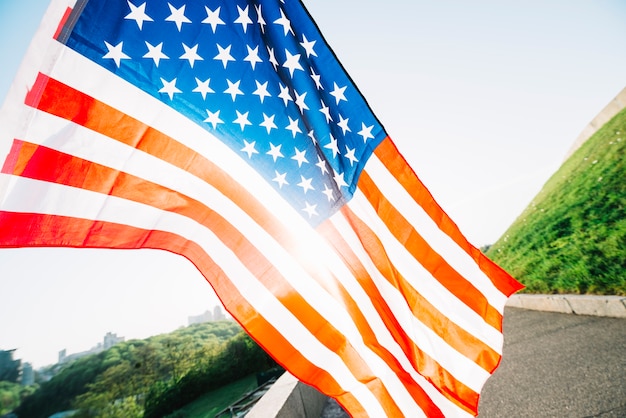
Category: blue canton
[256,74]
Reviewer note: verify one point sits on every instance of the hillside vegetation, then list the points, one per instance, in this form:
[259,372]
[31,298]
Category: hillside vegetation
[152,377]
[572,237]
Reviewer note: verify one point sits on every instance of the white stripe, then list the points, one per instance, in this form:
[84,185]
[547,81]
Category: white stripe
[436,238]
[471,374]
[79,203]
[422,281]
[38,55]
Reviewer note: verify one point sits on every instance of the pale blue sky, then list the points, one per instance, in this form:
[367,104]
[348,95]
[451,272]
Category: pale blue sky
[483,98]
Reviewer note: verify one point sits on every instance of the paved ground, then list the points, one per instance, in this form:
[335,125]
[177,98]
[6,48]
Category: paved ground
[554,365]
[558,365]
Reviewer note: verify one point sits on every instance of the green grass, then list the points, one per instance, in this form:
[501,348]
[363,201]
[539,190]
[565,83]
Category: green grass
[572,237]
[214,401]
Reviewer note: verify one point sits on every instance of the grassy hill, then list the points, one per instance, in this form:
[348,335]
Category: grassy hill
[572,236]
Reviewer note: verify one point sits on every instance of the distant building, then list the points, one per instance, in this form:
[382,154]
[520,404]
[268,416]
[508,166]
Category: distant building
[9,368]
[110,339]
[28,375]
[218,314]
[208,316]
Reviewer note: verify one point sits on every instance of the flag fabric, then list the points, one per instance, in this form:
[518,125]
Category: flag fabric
[229,133]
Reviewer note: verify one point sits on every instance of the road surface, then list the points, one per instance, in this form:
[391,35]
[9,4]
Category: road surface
[558,365]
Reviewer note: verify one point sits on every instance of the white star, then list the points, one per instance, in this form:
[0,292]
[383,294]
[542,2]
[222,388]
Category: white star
[317,79]
[242,119]
[138,14]
[213,118]
[155,53]
[321,163]
[366,132]
[326,111]
[213,18]
[170,88]
[306,184]
[191,55]
[177,16]
[275,151]
[311,135]
[343,124]
[293,127]
[115,53]
[224,55]
[203,87]
[261,90]
[338,177]
[280,179]
[338,92]
[243,18]
[292,62]
[310,209]
[329,193]
[350,155]
[284,22]
[308,46]
[300,157]
[253,56]
[233,89]
[284,94]
[249,148]
[332,145]
[260,19]
[300,101]
[268,123]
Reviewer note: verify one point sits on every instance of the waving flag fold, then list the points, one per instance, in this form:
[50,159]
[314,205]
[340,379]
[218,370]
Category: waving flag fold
[228,132]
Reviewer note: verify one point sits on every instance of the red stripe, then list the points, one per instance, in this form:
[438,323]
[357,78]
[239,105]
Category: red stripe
[400,169]
[62,23]
[439,268]
[58,231]
[428,367]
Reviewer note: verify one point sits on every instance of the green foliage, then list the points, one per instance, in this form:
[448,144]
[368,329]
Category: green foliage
[114,382]
[239,357]
[572,237]
[57,394]
[11,394]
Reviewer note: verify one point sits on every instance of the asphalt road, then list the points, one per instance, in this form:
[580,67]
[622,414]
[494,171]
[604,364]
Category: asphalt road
[555,365]
[558,365]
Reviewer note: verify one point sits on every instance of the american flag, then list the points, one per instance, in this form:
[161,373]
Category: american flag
[229,133]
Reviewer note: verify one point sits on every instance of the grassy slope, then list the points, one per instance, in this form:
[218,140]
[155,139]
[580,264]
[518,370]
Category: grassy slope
[216,400]
[572,237]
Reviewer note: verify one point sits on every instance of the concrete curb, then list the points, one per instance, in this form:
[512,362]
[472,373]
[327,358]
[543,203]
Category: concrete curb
[611,306]
[289,398]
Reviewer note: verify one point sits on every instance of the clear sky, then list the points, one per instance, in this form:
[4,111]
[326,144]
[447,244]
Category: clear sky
[483,98]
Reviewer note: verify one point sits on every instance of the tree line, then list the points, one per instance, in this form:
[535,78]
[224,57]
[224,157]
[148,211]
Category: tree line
[151,377]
